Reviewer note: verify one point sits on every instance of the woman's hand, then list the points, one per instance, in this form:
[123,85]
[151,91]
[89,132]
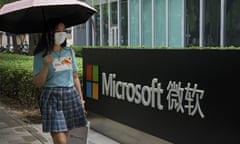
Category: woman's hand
[48,59]
[83,106]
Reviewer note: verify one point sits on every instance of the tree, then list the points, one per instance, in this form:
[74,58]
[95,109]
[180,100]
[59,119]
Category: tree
[33,41]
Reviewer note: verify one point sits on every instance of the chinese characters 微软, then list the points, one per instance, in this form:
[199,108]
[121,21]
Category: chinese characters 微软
[187,98]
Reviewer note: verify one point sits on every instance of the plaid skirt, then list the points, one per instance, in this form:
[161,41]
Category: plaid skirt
[61,109]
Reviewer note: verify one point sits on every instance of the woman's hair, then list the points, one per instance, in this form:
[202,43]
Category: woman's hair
[47,39]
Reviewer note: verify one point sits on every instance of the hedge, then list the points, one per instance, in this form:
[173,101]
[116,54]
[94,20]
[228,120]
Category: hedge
[16,78]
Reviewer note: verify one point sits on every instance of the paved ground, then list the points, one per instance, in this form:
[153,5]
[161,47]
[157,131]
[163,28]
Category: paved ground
[14,131]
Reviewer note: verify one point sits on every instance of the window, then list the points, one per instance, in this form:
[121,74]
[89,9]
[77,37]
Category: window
[146,23]
[192,19]
[233,23]
[97,26]
[160,22]
[212,23]
[134,22]
[105,12]
[124,22]
[175,23]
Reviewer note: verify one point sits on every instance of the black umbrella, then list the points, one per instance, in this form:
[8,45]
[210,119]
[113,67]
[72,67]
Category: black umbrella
[30,16]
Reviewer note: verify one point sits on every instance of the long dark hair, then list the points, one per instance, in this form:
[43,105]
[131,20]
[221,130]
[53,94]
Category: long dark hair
[47,41]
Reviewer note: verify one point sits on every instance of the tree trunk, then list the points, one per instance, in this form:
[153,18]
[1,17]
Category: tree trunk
[15,45]
[33,41]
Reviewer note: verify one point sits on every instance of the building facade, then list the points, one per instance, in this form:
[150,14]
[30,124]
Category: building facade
[161,23]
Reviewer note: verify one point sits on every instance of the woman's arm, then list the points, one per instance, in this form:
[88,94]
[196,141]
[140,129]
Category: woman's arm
[39,79]
[78,87]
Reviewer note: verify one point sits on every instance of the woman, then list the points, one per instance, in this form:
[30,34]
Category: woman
[55,71]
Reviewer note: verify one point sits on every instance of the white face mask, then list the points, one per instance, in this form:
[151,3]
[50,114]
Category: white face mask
[60,37]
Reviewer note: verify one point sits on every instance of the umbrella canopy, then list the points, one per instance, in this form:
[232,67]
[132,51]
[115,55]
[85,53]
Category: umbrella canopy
[30,16]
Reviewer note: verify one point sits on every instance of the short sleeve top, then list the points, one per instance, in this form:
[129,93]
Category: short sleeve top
[60,72]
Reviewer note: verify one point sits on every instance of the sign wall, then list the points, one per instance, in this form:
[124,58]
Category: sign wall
[183,96]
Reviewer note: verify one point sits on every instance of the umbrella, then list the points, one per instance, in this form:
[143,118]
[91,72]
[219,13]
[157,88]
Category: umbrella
[30,16]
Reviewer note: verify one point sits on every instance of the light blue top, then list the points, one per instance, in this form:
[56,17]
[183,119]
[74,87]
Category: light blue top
[60,72]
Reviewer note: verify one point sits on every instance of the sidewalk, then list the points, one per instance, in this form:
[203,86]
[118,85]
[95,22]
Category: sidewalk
[14,131]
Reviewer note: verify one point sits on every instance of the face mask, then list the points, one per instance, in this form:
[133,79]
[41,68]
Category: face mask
[60,37]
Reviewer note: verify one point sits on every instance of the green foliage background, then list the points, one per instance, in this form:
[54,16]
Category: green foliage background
[16,78]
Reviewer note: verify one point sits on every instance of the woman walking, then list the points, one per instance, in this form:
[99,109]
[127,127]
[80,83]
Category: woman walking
[55,71]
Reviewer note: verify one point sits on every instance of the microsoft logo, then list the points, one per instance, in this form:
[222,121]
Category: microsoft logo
[92,81]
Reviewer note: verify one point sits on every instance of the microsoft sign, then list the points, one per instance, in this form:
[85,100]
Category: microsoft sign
[150,96]
[182,96]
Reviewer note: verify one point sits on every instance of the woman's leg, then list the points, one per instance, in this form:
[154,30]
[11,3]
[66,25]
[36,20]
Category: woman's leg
[59,137]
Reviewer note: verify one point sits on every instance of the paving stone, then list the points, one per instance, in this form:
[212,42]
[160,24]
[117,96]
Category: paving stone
[6,132]
[17,141]
[14,131]
[20,130]
[3,125]
[29,138]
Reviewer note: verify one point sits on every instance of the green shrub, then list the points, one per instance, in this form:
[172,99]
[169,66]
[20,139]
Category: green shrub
[77,50]
[16,78]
